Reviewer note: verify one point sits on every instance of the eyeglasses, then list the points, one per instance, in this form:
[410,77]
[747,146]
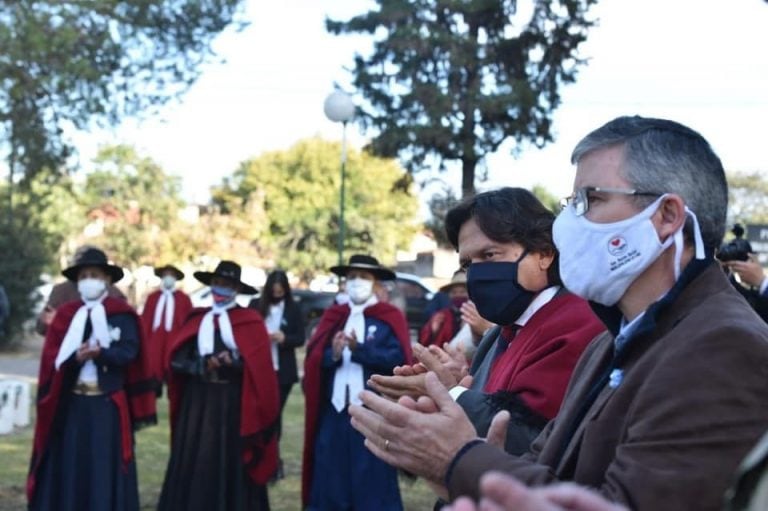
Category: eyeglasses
[580,198]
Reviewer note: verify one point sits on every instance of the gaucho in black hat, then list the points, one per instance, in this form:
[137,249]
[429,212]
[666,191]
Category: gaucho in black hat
[351,342]
[66,291]
[164,311]
[93,388]
[224,403]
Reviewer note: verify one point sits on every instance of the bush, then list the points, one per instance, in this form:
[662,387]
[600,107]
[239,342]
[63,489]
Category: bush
[22,259]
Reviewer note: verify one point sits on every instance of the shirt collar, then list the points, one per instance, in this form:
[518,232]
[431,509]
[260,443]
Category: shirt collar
[277,307]
[538,302]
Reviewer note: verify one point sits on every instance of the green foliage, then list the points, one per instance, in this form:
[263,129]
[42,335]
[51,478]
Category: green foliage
[546,197]
[72,63]
[22,259]
[747,195]
[136,206]
[439,205]
[453,79]
[298,192]
[33,226]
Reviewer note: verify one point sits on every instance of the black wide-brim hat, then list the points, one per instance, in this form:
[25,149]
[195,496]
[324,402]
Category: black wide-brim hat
[93,257]
[177,273]
[367,263]
[228,270]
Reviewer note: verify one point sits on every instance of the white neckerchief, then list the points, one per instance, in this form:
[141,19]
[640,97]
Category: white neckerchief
[205,333]
[273,321]
[74,336]
[167,302]
[350,374]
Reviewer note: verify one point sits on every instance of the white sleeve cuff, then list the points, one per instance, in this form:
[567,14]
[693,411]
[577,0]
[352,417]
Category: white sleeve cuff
[456,391]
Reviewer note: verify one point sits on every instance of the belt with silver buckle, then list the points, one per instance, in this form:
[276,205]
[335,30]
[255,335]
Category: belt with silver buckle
[83,388]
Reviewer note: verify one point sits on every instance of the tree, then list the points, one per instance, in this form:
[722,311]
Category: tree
[72,63]
[441,202]
[133,209]
[298,191]
[43,217]
[453,79]
[21,261]
[551,202]
[439,205]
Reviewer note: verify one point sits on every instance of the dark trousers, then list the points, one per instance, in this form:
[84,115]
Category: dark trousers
[285,391]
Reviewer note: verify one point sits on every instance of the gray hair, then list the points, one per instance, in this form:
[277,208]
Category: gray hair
[666,157]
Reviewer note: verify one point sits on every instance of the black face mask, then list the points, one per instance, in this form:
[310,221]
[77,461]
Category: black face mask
[497,294]
[274,300]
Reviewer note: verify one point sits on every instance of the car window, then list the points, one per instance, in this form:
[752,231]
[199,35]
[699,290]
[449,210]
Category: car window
[411,290]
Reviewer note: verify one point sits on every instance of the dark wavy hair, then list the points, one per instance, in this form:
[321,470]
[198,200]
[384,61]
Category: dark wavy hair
[508,215]
[276,277]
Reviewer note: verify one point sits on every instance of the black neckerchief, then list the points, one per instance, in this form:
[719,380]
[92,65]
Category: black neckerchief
[639,336]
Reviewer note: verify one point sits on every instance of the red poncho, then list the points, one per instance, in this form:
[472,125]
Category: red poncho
[444,334]
[158,340]
[540,359]
[260,401]
[333,320]
[135,403]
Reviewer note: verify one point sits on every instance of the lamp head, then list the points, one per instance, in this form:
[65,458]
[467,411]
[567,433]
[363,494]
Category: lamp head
[339,107]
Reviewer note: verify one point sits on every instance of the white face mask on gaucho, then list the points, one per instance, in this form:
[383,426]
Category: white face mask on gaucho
[359,290]
[91,289]
[599,262]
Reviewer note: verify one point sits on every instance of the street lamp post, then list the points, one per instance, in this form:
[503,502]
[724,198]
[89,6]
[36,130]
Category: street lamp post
[338,107]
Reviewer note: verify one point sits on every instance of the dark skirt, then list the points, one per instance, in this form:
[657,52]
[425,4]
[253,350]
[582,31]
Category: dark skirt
[83,468]
[205,471]
[346,475]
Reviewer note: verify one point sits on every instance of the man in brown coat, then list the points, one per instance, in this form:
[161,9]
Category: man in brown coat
[659,414]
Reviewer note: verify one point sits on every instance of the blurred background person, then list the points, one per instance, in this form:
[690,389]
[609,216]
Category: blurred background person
[745,272]
[444,324]
[285,327]
[164,311]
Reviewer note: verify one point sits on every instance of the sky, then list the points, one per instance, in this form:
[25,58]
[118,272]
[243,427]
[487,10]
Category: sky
[699,62]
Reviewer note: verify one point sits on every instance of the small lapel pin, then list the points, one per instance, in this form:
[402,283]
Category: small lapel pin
[614,379]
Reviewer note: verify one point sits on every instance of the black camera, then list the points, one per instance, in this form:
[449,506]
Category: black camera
[737,249]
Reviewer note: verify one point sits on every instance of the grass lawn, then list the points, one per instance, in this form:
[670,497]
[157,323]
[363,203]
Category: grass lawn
[152,456]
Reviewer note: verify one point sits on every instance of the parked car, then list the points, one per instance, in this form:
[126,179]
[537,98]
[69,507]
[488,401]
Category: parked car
[417,295]
[312,304]
[407,292]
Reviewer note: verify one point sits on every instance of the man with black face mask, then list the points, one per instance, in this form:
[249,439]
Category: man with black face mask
[523,365]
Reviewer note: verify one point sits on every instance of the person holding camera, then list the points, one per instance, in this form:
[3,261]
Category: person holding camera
[754,283]
[745,272]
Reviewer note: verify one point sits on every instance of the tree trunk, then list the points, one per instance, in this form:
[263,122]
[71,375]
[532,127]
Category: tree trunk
[468,136]
[468,177]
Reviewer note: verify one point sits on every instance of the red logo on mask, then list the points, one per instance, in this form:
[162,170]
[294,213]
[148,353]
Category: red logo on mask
[617,246]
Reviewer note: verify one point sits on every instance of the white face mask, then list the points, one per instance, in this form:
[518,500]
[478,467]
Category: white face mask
[91,289]
[169,282]
[599,262]
[359,290]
